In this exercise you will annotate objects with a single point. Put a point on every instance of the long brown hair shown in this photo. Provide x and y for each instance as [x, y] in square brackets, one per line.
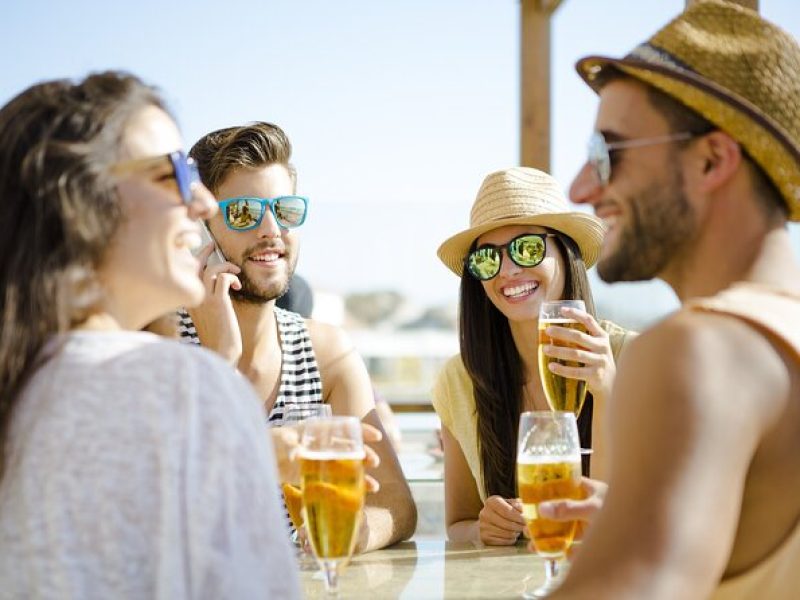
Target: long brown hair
[59, 210]
[495, 367]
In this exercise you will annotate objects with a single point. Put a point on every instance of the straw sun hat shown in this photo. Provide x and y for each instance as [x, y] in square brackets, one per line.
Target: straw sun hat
[522, 196]
[737, 70]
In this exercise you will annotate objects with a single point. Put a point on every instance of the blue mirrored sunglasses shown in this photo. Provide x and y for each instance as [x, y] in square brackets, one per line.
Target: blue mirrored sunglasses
[246, 212]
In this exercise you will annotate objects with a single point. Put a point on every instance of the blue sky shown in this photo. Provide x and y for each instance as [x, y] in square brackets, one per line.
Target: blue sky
[396, 109]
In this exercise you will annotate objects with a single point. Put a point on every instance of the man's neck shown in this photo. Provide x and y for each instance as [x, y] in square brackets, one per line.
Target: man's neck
[259, 331]
[748, 254]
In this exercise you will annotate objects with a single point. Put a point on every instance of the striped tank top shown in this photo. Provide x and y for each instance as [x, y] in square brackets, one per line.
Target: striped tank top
[300, 381]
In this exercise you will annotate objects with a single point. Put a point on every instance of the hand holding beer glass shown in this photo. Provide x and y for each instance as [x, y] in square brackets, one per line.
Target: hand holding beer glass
[548, 468]
[332, 475]
[562, 393]
[292, 495]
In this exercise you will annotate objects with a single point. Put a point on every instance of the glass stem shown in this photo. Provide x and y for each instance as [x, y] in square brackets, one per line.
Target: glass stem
[330, 569]
[552, 568]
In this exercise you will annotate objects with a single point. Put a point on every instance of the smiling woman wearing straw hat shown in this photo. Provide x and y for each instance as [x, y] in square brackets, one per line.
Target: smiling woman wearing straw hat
[480, 393]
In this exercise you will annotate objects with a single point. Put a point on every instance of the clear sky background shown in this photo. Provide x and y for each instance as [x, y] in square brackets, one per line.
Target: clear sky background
[396, 109]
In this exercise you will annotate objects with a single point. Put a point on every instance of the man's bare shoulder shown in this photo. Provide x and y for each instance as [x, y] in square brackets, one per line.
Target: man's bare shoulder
[329, 341]
[709, 360]
[335, 351]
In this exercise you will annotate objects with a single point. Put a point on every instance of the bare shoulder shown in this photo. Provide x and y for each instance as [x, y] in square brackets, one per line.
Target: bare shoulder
[709, 363]
[330, 342]
[345, 381]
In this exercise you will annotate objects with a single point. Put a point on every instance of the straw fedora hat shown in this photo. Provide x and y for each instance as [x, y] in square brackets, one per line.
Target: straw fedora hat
[737, 70]
[522, 196]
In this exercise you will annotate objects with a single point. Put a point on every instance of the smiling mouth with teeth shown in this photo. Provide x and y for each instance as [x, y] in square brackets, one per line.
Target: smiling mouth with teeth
[520, 290]
[266, 257]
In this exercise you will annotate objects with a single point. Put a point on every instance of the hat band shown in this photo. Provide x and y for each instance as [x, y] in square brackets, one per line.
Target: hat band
[699, 81]
[653, 54]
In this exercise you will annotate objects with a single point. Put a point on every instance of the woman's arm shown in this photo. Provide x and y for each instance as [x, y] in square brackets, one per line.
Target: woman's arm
[498, 522]
[462, 504]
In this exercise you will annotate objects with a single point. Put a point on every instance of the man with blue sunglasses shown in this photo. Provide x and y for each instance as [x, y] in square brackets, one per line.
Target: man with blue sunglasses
[291, 361]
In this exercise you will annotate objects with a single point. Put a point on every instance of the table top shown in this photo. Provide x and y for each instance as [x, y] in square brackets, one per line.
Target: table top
[435, 569]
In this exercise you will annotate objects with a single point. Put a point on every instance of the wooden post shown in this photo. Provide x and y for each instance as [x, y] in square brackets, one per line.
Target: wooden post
[535, 83]
[746, 3]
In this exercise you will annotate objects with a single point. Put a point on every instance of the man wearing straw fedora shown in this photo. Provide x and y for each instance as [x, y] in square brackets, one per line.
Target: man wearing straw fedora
[695, 169]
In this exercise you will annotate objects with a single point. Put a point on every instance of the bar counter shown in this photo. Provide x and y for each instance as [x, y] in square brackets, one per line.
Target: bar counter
[435, 570]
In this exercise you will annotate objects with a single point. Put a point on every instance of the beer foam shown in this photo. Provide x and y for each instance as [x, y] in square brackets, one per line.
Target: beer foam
[332, 455]
[535, 459]
[559, 321]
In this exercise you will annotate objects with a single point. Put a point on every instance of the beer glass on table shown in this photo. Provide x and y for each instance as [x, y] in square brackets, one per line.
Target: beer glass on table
[332, 482]
[562, 393]
[292, 495]
[548, 468]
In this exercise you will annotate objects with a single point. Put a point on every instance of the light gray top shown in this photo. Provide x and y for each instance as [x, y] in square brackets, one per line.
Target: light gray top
[140, 468]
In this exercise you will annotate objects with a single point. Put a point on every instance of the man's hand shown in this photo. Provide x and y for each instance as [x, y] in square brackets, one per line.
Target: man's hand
[215, 319]
[583, 511]
[286, 441]
[500, 521]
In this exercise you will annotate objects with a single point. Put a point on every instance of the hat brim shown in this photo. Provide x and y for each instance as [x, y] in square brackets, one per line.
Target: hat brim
[586, 230]
[764, 140]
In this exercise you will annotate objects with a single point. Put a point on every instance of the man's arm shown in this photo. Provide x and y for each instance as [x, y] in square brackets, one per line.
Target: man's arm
[691, 401]
[391, 515]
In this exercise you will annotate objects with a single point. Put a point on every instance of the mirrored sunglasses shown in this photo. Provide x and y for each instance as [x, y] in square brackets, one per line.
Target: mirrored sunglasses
[246, 212]
[526, 250]
[600, 150]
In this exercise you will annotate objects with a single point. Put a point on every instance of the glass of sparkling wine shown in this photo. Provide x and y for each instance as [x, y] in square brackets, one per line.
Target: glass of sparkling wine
[332, 475]
[562, 393]
[292, 495]
[548, 468]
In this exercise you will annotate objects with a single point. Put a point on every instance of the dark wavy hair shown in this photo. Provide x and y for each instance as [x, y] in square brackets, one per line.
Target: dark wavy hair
[496, 370]
[59, 209]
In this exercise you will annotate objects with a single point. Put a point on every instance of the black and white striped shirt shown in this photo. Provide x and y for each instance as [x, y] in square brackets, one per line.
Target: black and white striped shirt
[300, 381]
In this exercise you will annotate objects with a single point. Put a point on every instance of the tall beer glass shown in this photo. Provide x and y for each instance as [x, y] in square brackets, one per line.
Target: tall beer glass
[562, 393]
[292, 495]
[548, 468]
[332, 475]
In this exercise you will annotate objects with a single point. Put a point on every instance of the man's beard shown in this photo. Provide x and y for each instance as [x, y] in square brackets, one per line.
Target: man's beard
[661, 224]
[254, 293]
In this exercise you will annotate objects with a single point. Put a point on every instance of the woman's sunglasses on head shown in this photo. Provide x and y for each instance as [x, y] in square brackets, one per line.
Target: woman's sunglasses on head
[526, 250]
[184, 170]
[246, 212]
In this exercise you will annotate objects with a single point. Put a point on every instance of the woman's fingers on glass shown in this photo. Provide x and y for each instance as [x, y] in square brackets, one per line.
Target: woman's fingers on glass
[371, 458]
[592, 326]
[372, 484]
[370, 433]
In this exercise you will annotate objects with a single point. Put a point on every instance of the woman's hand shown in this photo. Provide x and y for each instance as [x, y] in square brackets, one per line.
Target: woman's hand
[593, 352]
[500, 521]
[215, 319]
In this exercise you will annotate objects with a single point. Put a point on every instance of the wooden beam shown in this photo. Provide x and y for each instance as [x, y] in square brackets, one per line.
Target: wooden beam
[753, 4]
[535, 86]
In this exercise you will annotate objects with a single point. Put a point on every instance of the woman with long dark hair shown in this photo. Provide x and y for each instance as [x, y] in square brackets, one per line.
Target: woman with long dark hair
[480, 394]
[131, 466]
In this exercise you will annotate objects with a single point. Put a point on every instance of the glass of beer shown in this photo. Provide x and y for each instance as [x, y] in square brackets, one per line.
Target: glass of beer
[292, 495]
[548, 468]
[332, 482]
[562, 393]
